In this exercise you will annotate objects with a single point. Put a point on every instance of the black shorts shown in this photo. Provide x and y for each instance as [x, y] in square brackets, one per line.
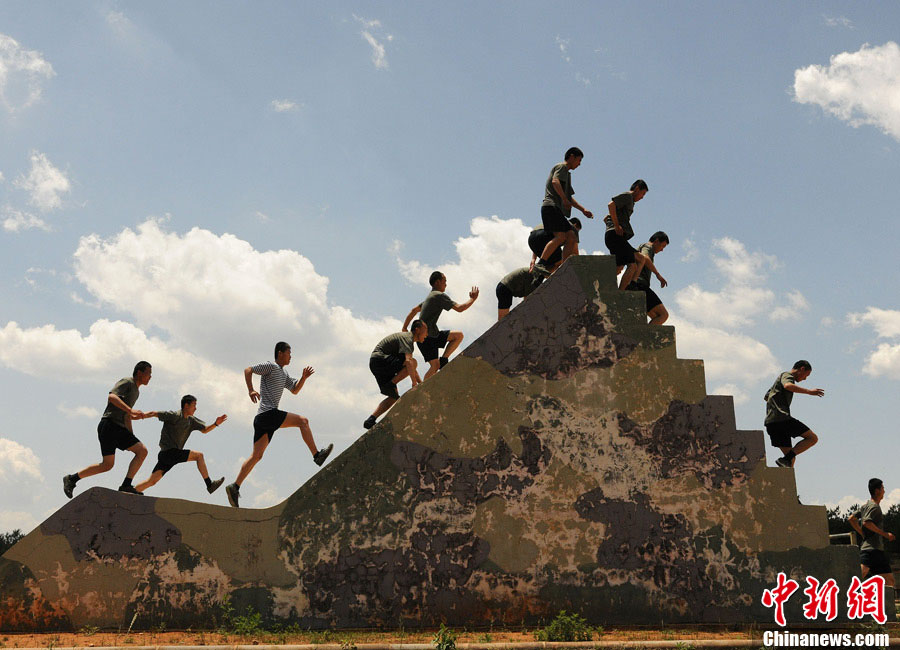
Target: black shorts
[538, 240]
[876, 560]
[430, 346]
[385, 370]
[780, 433]
[114, 436]
[652, 299]
[267, 423]
[554, 220]
[619, 247]
[504, 296]
[169, 458]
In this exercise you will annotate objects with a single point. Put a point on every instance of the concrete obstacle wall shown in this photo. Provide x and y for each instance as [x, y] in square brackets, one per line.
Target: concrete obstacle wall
[567, 459]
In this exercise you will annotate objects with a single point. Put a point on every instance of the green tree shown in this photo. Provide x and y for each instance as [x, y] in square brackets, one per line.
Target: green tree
[8, 539]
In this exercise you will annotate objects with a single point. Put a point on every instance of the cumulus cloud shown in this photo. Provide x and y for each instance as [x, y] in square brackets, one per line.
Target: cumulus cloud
[796, 305]
[691, 251]
[44, 182]
[22, 74]
[17, 221]
[110, 350]
[225, 301]
[493, 248]
[861, 87]
[285, 106]
[11, 520]
[884, 360]
[730, 359]
[374, 35]
[18, 462]
[743, 296]
[885, 322]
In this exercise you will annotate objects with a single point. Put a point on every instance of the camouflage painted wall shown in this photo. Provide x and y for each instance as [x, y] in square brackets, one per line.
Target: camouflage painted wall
[566, 460]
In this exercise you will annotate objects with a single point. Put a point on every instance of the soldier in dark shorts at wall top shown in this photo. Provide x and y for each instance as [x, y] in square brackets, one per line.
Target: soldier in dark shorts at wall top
[557, 207]
[515, 284]
[538, 239]
[619, 231]
[868, 522]
[436, 302]
[274, 380]
[391, 362]
[655, 309]
[177, 428]
[115, 432]
[780, 425]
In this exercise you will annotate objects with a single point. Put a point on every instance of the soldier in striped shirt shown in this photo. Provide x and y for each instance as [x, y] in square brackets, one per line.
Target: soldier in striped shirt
[269, 418]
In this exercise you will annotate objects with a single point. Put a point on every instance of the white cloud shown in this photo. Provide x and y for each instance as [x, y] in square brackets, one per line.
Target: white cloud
[285, 106]
[266, 498]
[885, 322]
[109, 351]
[73, 412]
[827, 321]
[691, 252]
[222, 300]
[740, 396]
[884, 360]
[17, 221]
[18, 462]
[725, 308]
[743, 297]
[797, 303]
[11, 520]
[494, 248]
[890, 499]
[45, 182]
[372, 32]
[838, 21]
[729, 358]
[861, 87]
[22, 73]
[262, 217]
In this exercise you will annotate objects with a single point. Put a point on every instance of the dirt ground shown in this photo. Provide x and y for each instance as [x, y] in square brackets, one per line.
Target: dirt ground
[88, 638]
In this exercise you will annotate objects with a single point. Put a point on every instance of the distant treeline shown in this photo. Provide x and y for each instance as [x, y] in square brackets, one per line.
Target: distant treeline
[8, 539]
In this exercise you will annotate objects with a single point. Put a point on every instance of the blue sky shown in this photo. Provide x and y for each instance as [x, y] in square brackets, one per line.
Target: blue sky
[190, 182]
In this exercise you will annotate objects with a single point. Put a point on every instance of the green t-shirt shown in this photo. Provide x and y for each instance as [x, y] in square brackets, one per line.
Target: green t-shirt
[177, 428]
[624, 209]
[520, 282]
[778, 399]
[643, 280]
[127, 389]
[393, 344]
[551, 196]
[434, 303]
[872, 541]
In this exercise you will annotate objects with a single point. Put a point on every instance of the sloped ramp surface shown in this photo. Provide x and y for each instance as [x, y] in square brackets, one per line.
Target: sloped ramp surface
[567, 459]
